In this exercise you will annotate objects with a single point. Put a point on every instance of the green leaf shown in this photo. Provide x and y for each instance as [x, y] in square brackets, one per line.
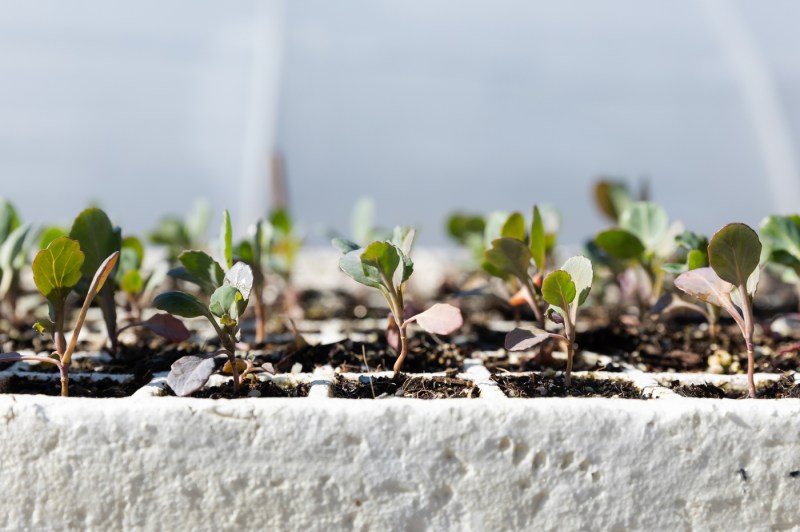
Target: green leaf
[612, 198]
[203, 270]
[57, 269]
[223, 302]
[559, 290]
[620, 244]
[226, 239]
[135, 247]
[514, 227]
[12, 247]
[132, 282]
[244, 252]
[380, 261]
[781, 233]
[647, 221]
[696, 259]
[97, 237]
[281, 220]
[352, 266]
[170, 231]
[182, 304]
[734, 253]
[463, 227]
[509, 256]
[403, 239]
[580, 270]
[48, 234]
[538, 240]
[343, 245]
[9, 220]
[674, 267]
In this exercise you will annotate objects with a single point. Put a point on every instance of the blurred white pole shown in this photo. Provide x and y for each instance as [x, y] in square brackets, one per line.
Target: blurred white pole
[762, 101]
[262, 111]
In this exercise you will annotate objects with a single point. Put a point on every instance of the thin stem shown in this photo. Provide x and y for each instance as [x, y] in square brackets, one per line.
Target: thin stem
[230, 349]
[403, 348]
[747, 332]
[64, 370]
[569, 332]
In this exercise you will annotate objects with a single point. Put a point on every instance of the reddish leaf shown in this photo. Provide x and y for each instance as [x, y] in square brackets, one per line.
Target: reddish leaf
[521, 339]
[441, 318]
[167, 326]
[705, 285]
[189, 374]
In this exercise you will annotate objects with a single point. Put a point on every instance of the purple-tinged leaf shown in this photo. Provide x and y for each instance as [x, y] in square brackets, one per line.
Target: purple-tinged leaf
[167, 326]
[441, 318]
[705, 285]
[521, 339]
[10, 357]
[189, 374]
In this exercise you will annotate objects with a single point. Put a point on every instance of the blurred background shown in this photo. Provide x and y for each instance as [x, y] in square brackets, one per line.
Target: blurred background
[143, 107]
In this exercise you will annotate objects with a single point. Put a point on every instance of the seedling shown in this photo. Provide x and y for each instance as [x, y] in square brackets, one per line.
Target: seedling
[695, 247]
[386, 266]
[56, 271]
[13, 257]
[565, 290]
[468, 231]
[138, 287]
[730, 282]
[644, 239]
[781, 238]
[510, 257]
[229, 290]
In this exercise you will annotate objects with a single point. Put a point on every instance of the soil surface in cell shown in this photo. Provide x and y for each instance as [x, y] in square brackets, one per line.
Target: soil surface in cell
[103, 388]
[784, 388]
[536, 386]
[682, 345]
[251, 388]
[424, 356]
[401, 385]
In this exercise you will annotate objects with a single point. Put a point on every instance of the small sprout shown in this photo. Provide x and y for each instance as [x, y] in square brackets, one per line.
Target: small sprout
[644, 238]
[56, 271]
[510, 257]
[386, 266]
[565, 290]
[695, 247]
[468, 231]
[228, 291]
[730, 282]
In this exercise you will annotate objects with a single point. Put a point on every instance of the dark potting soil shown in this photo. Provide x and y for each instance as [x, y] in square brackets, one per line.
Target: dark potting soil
[680, 345]
[401, 385]
[537, 385]
[424, 355]
[103, 388]
[783, 388]
[251, 388]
